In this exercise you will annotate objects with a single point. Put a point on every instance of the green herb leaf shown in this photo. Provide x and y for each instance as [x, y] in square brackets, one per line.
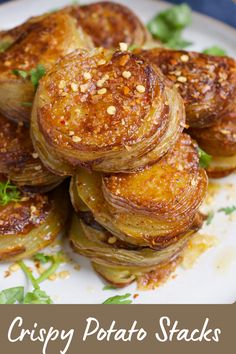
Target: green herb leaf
[209, 217]
[4, 46]
[214, 50]
[8, 193]
[37, 296]
[228, 210]
[23, 74]
[109, 287]
[36, 74]
[118, 300]
[12, 295]
[27, 104]
[204, 158]
[132, 47]
[42, 258]
[168, 25]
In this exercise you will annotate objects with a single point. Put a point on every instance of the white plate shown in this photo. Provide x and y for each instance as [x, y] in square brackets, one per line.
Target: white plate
[212, 278]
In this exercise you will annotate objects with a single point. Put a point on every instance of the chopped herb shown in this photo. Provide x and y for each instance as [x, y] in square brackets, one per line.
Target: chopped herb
[4, 46]
[36, 74]
[27, 104]
[42, 258]
[109, 287]
[214, 50]
[228, 210]
[12, 295]
[118, 300]
[204, 158]
[133, 47]
[210, 216]
[23, 74]
[8, 193]
[37, 296]
[169, 25]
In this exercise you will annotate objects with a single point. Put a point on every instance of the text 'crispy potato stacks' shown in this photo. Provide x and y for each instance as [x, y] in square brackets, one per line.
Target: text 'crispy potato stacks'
[19, 161]
[109, 253]
[30, 223]
[109, 24]
[109, 111]
[206, 83]
[153, 207]
[41, 40]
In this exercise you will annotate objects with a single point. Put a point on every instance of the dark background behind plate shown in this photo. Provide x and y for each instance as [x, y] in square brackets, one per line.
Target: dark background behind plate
[224, 10]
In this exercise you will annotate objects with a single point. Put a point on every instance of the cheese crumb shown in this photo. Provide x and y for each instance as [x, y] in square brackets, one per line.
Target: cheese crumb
[126, 74]
[111, 110]
[123, 46]
[140, 88]
[76, 139]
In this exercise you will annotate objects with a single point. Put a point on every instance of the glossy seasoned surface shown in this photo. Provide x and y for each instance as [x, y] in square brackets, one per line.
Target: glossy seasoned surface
[220, 139]
[153, 207]
[206, 83]
[105, 110]
[157, 188]
[41, 40]
[109, 24]
[22, 216]
[18, 159]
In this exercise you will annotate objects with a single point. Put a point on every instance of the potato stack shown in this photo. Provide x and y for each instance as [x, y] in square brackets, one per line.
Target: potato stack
[112, 120]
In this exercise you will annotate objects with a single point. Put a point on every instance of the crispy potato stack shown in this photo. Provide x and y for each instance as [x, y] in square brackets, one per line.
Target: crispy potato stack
[30, 223]
[18, 160]
[220, 142]
[206, 83]
[109, 111]
[150, 214]
[109, 24]
[41, 40]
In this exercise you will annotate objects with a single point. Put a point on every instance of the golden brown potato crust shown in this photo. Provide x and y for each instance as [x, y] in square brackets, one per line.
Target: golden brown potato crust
[18, 159]
[41, 40]
[105, 110]
[220, 139]
[206, 83]
[109, 24]
[21, 217]
[155, 206]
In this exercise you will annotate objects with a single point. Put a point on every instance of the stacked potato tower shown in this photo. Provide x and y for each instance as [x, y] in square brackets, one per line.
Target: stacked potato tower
[111, 120]
[79, 102]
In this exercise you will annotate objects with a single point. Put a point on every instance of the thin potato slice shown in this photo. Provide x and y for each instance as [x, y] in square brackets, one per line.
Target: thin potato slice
[109, 24]
[96, 244]
[104, 110]
[221, 166]
[206, 83]
[41, 40]
[220, 139]
[19, 161]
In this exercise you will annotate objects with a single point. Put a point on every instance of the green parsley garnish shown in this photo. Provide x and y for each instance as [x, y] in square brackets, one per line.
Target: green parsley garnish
[23, 74]
[34, 74]
[118, 300]
[132, 47]
[210, 216]
[214, 50]
[4, 46]
[169, 25]
[8, 193]
[12, 295]
[37, 295]
[204, 158]
[228, 210]
[109, 287]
